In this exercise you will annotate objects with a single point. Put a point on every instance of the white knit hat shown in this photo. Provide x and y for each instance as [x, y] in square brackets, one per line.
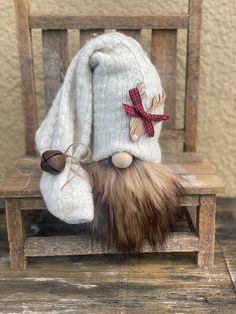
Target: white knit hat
[89, 109]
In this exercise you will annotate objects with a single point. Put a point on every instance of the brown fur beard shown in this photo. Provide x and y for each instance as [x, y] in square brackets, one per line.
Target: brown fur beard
[133, 206]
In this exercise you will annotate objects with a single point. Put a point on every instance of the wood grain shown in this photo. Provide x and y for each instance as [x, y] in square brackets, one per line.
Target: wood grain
[15, 230]
[55, 57]
[191, 216]
[198, 177]
[80, 245]
[39, 204]
[134, 33]
[172, 135]
[206, 230]
[225, 233]
[27, 74]
[109, 22]
[117, 283]
[86, 35]
[192, 74]
[164, 53]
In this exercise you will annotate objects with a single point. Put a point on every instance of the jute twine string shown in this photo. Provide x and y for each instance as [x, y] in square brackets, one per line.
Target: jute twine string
[26, 173]
[36, 170]
[77, 159]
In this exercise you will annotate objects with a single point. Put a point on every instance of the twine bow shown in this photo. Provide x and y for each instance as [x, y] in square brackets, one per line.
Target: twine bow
[138, 111]
[28, 167]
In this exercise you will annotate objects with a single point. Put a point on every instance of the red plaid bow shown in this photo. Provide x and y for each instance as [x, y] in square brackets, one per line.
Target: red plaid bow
[138, 111]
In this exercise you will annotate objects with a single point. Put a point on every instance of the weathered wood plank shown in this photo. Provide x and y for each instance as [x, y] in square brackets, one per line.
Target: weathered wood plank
[38, 203]
[86, 35]
[192, 74]
[206, 230]
[55, 57]
[191, 168]
[172, 135]
[117, 283]
[192, 183]
[230, 259]
[135, 34]
[32, 203]
[27, 74]
[198, 176]
[164, 54]
[182, 157]
[191, 215]
[15, 230]
[226, 235]
[202, 184]
[188, 200]
[110, 22]
[81, 245]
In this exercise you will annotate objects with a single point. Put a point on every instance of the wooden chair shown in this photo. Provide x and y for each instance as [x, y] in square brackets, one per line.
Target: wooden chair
[200, 182]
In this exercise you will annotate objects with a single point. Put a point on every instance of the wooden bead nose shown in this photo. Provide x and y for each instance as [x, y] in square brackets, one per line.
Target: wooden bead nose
[122, 160]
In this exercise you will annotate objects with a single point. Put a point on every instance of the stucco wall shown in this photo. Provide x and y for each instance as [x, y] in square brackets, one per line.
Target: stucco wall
[217, 107]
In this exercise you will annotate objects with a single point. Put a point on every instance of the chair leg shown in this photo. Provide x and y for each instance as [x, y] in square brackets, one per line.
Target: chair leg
[206, 230]
[16, 234]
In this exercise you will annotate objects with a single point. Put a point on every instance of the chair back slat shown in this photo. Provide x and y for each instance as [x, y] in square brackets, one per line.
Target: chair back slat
[55, 57]
[86, 35]
[164, 32]
[27, 74]
[134, 33]
[164, 49]
[192, 75]
[108, 22]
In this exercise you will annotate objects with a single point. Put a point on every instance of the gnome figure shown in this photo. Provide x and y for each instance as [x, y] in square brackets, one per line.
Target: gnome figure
[100, 150]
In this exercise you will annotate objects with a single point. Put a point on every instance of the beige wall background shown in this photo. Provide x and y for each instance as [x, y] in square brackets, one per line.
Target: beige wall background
[217, 93]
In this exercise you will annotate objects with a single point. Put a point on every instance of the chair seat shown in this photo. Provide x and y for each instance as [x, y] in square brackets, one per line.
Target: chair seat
[20, 188]
[198, 176]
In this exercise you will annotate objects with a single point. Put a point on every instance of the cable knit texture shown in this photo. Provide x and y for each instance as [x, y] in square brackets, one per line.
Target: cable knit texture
[89, 109]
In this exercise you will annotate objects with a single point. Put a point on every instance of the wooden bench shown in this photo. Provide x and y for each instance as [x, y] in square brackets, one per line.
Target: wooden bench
[21, 192]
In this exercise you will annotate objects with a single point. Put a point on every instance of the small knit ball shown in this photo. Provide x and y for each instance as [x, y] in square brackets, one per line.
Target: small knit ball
[134, 138]
[122, 160]
[53, 161]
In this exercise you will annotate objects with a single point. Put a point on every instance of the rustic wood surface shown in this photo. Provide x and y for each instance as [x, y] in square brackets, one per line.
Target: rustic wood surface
[191, 216]
[164, 53]
[226, 235]
[74, 245]
[27, 74]
[198, 176]
[38, 203]
[55, 61]
[192, 74]
[206, 230]
[111, 22]
[86, 35]
[172, 135]
[146, 283]
[15, 227]
[135, 33]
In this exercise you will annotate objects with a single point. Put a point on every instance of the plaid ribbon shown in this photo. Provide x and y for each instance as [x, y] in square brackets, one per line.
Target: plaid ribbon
[138, 111]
